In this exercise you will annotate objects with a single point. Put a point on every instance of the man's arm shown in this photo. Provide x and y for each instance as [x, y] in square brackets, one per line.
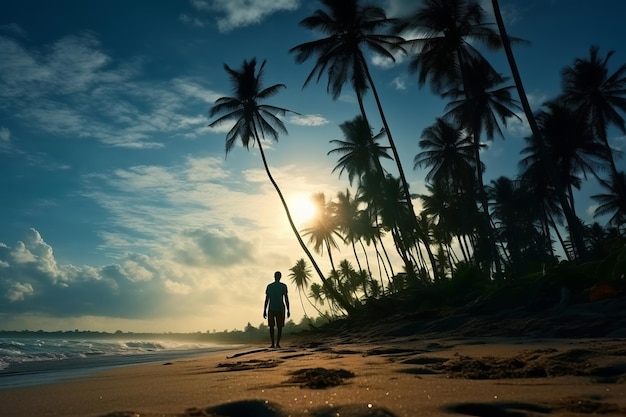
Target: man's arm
[267, 301]
[287, 302]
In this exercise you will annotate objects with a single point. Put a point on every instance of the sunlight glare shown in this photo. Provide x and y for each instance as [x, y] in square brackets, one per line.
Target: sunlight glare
[302, 209]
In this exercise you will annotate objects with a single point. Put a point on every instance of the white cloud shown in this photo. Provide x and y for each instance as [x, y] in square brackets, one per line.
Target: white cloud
[240, 13]
[201, 5]
[19, 291]
[72, 89]
[399, 83]
[193, 21]
[308, 120]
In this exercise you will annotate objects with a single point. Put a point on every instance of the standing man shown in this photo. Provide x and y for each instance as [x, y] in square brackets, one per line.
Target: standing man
[274, 294]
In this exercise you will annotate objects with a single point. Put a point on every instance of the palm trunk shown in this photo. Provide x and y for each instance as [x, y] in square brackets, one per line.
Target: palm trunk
[344, 304]
[396, 156]
[573, 222]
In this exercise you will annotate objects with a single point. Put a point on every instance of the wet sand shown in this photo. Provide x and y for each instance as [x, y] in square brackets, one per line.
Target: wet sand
[346, 376]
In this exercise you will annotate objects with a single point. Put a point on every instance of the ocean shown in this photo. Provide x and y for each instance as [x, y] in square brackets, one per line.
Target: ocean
[29, 361]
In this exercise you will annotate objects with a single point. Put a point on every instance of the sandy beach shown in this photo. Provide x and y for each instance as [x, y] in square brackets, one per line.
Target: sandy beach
[379, 370]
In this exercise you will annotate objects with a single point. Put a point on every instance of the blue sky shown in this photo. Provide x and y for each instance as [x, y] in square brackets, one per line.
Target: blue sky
[119, 208]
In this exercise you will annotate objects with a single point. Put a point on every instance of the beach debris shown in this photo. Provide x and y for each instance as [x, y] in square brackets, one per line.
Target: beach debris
[504, 409]
[352, 410]
[319, 378]
[246, 408]
[250, 364]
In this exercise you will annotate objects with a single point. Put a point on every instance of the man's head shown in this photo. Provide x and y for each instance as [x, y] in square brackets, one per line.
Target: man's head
[277, 276]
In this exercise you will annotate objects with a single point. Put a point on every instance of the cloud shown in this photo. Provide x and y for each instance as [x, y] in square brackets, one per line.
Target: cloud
[72, 89]
[13, 29]
[5, 139]
[139, 287]
[234, 14]
[308, 120]
[399, 83]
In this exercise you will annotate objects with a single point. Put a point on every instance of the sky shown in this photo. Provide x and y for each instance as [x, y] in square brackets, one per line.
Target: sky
[120, 209]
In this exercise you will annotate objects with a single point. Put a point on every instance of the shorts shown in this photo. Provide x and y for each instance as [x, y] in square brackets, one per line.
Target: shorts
[276, 318]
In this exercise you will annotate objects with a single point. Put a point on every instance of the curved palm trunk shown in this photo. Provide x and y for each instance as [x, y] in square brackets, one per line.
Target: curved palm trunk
[575, 227]
[396, 156]
[367, 260]
[356, 257]
[302, 303]
[339, 298]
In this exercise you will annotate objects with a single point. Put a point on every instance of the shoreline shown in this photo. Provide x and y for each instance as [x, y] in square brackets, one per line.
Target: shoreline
[324, 376]
[32, 374]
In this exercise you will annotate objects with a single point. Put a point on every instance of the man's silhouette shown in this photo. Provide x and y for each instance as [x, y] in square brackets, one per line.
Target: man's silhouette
[274, 295]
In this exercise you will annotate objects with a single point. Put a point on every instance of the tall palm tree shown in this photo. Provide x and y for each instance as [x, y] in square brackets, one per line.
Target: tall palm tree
[447, 57]
[350, 27]
[478, 106]
[254, 121]
[597, 95]
[573, 149]
[575, 227]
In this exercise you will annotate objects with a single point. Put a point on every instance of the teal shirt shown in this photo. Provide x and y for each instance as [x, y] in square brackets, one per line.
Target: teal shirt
[276, 291]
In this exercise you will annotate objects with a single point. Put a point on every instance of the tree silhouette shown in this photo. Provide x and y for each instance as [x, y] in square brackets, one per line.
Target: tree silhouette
[597, 96]
[350, 27]
[254, 121]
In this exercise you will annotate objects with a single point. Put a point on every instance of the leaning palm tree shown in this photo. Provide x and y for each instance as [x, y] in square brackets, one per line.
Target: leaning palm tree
[575, 227]
[597, 95]
[350, 27]
[253, 122]
[480, 105]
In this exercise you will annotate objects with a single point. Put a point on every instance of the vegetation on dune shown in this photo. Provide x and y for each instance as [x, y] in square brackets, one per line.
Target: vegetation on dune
[505, 243]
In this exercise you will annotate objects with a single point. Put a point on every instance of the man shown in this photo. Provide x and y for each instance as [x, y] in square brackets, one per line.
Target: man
[274, 295]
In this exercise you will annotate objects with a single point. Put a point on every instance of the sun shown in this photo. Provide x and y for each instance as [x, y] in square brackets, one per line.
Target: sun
[302, 209]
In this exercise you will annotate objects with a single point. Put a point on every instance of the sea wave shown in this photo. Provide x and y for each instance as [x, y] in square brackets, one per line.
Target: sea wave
[33, 350]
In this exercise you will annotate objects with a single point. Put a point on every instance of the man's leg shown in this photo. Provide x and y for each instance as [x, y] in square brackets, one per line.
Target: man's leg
[280, 332]
[272, 334]
[271, 322]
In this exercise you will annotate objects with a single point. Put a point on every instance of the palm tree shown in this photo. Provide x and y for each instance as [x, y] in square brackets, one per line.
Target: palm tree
[613, 202]
[300, 275]
[533, 176]
[572, 147]
[571, 151]
[346, 210]
[350, 27]
[254, 121]
[478, 106]
[361, 154]
[575, 227]
[517, 215]
[597, 96]
[324, 228]
[447, 151]
[450, 29]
